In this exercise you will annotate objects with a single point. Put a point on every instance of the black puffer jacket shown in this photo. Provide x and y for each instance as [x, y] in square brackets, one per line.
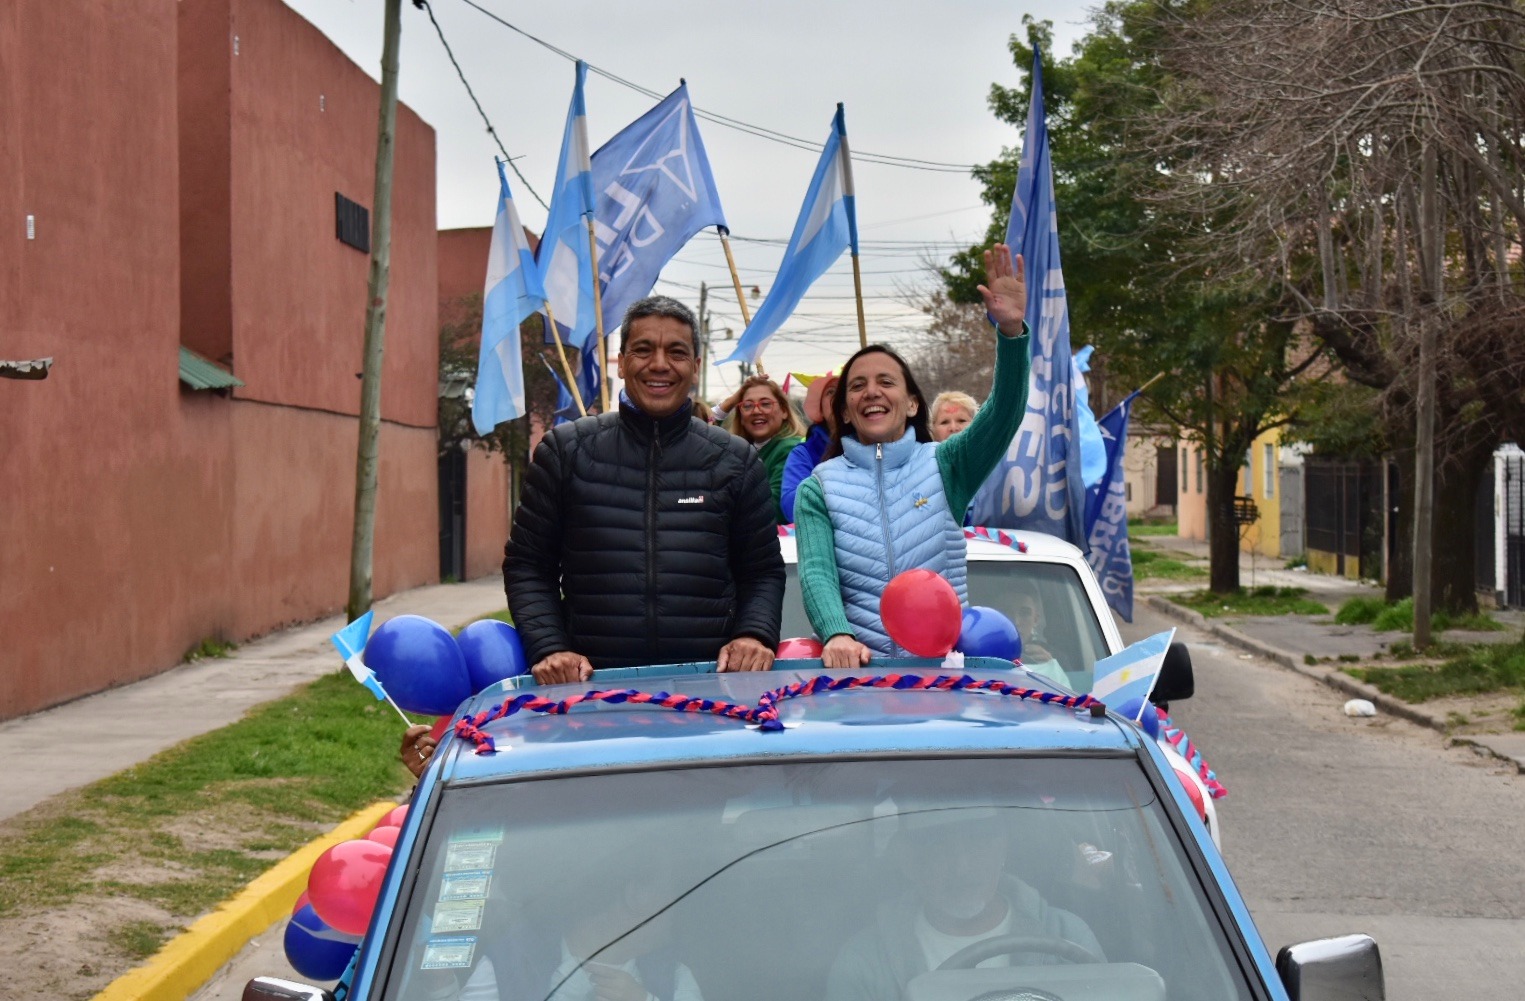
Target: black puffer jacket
[642, 541]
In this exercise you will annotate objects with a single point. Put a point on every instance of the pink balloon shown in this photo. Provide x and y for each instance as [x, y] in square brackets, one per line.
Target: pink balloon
[394, 817]
[921, 612]
[385, 834]
[345, 882]
[440, 726]
[302, 902]
[799, 648]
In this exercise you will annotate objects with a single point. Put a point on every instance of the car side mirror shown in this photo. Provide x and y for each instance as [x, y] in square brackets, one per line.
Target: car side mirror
[273, 989]
[1176, 681]
[1348, 968]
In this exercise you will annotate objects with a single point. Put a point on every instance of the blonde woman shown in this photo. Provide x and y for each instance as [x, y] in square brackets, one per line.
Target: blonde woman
[951, 413]
[760, 413]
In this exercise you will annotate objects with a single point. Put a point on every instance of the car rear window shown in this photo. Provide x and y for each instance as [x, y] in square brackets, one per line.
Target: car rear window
[1068, 630]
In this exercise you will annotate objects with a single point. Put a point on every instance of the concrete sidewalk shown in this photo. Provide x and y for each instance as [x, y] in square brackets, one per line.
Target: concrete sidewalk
[1289, 640]
[127, 725]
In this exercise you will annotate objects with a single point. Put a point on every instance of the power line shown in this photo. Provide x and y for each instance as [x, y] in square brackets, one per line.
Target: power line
[761, 131]
[471, 94]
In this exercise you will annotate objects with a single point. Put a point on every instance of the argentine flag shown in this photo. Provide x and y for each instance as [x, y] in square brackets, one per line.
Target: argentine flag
[513, 292]
[1131, 672]
[564, 257]
[828, 225]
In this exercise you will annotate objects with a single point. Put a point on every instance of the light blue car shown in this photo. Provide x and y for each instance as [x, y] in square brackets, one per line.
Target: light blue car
[895, 834]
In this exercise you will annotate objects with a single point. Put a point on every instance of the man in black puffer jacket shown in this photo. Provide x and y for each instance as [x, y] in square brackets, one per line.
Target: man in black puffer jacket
[645, 536]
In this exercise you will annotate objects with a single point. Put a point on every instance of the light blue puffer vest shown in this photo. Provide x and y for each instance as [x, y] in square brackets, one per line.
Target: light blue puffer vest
[888, 515]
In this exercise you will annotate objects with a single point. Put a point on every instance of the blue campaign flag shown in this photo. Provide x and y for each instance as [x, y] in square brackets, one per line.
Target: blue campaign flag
[652, 192]
[565, 257]
[1131, 672]
[1107, 515]
[828, 225]
[513, 292]
[566, 405]
[1037, 485]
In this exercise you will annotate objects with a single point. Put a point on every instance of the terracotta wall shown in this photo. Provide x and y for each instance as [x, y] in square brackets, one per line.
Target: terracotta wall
[138, 517]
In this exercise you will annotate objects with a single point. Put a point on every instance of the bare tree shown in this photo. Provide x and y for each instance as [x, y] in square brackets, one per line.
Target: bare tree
[1368, 155]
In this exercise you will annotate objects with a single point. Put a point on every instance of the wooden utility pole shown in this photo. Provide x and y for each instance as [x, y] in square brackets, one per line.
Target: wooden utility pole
[368, 451]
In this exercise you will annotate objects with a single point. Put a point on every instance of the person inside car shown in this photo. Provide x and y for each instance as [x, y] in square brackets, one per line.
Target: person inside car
[957, 894]
[889, 499]
[951, 413]
[1027, 613]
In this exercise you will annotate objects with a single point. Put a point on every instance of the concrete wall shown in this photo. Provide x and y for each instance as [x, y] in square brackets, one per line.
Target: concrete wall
[1191, 498]
[140, 517]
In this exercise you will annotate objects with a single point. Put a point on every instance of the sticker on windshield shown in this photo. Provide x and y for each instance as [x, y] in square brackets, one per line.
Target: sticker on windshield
[494, 834]
[461, 856]
[465, 886]
[457, 916]
[450, 953]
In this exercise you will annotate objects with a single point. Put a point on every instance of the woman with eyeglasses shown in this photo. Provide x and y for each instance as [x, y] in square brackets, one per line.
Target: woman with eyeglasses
[760, 412]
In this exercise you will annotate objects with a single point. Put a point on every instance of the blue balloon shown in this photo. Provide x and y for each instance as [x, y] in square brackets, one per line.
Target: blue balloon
[492, 651]
[420, 665]
[1149, 720]
[988, 633]
[315, 950]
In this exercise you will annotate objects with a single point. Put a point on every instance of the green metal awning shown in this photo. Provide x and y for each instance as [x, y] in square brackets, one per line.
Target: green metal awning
[199, 373]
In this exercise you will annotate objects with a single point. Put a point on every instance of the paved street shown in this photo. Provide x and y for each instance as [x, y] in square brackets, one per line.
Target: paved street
[1338, 825]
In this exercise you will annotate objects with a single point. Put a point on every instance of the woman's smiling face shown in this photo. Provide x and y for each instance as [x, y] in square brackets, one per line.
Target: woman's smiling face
[879, 403]
[761, 416]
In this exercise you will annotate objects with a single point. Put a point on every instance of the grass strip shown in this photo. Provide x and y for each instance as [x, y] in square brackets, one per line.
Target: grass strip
[1399, 617]
[1151, 564]
[1480, 669]
[1143, 528]
[189, 827]
[1263, 600]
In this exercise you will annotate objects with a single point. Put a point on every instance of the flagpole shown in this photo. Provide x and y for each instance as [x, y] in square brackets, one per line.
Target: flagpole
[598, 314]
[741, 297]
[1151, 382]
[549, 319]
[849, 196]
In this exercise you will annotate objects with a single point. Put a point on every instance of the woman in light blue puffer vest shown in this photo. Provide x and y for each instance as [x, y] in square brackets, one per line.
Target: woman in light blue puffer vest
[883, 501]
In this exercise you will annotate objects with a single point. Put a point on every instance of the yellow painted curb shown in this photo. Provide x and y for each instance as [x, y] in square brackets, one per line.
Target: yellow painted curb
[190, 959]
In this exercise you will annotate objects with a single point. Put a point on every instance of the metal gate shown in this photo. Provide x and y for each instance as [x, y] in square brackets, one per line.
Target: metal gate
[452, 515]
[1510, 468]
[1342, 511]
[1290, 483]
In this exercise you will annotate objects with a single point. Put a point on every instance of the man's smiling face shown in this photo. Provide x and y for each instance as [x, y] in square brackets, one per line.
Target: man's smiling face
[658, 364]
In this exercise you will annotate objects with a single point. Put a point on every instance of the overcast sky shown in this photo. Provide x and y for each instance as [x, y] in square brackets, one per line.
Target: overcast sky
[914, 76]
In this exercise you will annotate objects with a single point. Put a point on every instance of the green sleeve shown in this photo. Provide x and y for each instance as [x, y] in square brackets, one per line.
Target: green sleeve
[819, 585]
[966, 459]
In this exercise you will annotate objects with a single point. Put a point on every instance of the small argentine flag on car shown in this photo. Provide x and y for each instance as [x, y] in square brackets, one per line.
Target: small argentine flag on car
[1131, 672]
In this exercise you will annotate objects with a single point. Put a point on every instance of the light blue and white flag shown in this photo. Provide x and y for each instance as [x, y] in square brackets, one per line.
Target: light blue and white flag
[513, 293]
[1037, 485]
[1107, 515]
[565, 257]
[1093, 450]
[350, 642]
[566, 405]
[1131, 672]
[828, 225]
[652, 192]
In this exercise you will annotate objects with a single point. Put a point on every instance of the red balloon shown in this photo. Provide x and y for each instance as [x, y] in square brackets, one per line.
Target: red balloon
[345, 882]
[921, 612]
[394, 817]
[440, 726]
[799, 648]
[301, 902]
[1193, 793]
[384, 834]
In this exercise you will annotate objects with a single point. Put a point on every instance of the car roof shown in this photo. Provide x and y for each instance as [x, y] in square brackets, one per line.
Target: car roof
[859, 721]
[1024, 545]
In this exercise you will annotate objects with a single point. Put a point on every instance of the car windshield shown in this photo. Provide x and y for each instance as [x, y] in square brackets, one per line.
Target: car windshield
[860, 880]
[1047, 601]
